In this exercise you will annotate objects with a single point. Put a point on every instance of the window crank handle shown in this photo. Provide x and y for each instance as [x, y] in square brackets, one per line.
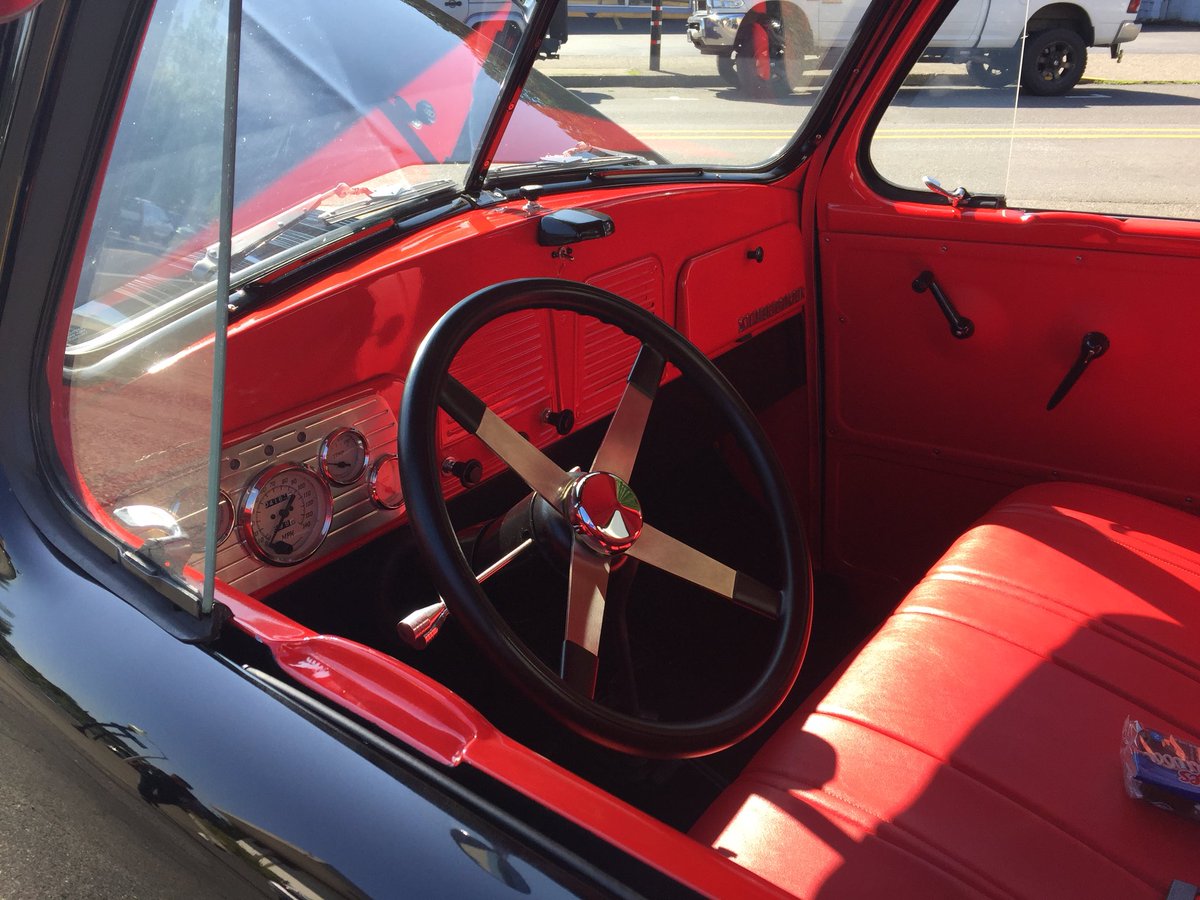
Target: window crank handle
[960, 326]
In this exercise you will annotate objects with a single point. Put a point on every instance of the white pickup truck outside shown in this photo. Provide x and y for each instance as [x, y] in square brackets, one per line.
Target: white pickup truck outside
[762, 47]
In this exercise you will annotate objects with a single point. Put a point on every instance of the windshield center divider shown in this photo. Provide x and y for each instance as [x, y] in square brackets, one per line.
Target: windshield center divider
[524, 57]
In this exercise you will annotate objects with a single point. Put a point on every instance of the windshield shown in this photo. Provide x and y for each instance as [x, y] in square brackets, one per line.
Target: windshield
[353, 113]
[345, 112]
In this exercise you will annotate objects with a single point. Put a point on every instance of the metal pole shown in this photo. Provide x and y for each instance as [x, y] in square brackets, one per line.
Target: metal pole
[656, 36]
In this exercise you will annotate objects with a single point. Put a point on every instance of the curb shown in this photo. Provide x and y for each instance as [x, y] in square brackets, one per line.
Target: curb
[1086, 80]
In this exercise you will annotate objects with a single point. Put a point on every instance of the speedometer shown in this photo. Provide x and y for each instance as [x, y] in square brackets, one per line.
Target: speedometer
[285, 514]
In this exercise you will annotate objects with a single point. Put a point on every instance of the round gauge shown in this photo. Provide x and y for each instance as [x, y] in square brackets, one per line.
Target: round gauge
[343, 456]
[224, 517]
[190, 507]
[384, 483]
[285, 514]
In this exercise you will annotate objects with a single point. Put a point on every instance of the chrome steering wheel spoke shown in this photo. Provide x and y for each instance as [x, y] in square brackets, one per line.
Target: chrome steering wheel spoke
[618, 451]
[536, 469]
[585, 619]
[664, 552]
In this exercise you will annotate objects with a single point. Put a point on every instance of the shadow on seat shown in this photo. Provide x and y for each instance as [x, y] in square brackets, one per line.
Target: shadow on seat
[972, 747]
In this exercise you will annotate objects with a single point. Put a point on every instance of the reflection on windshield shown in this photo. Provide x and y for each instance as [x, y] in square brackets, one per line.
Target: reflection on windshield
[330, 118]
[347, 111]
[731, 85]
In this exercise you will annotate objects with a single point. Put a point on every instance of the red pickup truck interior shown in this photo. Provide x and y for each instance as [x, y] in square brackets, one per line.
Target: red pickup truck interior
[903, 364]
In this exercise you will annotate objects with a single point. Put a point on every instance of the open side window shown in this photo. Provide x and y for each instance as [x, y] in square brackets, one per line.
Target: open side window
[330, 146]
[1048, 112]
[132, 363]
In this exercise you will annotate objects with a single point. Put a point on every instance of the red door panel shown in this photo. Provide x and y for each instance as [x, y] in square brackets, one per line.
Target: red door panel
[924, 431]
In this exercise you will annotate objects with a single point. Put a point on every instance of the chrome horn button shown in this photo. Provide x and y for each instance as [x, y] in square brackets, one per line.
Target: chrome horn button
[605, 512]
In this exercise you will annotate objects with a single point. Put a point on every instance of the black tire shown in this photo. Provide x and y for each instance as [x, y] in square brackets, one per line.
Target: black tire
[785, 42]
[1054, 62]
[727, 70]
[993, 70]
[509, 36]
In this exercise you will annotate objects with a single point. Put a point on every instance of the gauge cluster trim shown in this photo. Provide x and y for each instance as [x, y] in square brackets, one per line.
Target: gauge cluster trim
[299, 441]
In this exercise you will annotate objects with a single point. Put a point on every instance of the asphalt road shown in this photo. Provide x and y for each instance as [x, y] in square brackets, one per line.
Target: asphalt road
[1129, 148]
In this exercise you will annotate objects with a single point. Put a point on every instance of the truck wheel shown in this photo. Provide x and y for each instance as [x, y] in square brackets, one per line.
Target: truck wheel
[993, 70]
[727, 70]
[1054, 62]
[770, 56]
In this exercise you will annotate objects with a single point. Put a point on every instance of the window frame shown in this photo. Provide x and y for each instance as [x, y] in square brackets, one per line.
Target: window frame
[1167, 226]
[65, 101]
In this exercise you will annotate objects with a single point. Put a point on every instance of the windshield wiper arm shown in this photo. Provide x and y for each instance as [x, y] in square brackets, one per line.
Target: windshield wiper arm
[384, 200]
[351, 217]
[570, 163]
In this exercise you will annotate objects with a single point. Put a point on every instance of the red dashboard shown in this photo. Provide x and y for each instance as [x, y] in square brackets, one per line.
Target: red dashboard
[370, 315]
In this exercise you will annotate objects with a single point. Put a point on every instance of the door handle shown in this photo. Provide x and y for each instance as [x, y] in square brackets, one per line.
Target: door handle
[1095, 345]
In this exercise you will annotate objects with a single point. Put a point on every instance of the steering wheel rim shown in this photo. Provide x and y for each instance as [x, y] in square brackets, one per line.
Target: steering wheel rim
[429, 387]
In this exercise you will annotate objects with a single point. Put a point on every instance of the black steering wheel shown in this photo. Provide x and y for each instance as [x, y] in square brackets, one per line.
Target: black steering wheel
[604, 517]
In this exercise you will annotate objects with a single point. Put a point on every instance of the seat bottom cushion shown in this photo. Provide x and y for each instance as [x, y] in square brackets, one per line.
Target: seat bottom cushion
[972, 747]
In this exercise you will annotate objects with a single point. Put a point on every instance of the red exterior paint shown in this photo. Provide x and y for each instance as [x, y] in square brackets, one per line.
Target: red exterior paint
[437, 722]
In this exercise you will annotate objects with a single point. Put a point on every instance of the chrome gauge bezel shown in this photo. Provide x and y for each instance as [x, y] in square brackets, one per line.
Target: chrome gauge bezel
[373, 479]
[364, 457]
[225, 528]
[250, 501]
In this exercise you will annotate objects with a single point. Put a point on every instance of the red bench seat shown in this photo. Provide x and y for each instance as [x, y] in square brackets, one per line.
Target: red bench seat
[972, 747]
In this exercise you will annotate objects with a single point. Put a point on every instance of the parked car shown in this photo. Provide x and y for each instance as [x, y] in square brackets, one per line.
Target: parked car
[765, 47]
[487, 490]
[141, 220]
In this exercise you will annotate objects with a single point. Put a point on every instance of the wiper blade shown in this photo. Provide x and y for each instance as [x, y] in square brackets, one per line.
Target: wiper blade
[344, 219]
[345, 226]
[385, 199]
[590, 161]
[246, 241]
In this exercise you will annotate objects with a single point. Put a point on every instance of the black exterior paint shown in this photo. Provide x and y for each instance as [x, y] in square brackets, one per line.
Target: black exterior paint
[123, 744]
[139, 760]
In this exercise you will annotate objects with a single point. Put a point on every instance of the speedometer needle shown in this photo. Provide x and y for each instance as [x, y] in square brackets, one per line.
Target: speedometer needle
[283, 514]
